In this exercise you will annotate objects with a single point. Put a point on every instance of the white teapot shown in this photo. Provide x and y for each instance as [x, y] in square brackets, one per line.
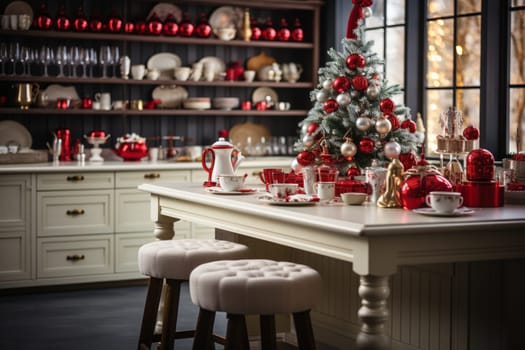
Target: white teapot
[222, 162]
[292, 71]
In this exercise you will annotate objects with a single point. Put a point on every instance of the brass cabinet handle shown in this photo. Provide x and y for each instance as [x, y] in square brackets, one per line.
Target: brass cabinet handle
[75, 212]
[75, 178]
[75, 257]
[152, 176]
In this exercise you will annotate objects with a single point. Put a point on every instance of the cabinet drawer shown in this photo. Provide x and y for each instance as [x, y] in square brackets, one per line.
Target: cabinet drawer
[74, 212]
[132, 213]
[75, 256]
[127, 248]
[131, 179]
[75, 181]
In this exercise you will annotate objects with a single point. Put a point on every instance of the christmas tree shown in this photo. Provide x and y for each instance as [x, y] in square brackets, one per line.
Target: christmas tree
[354, 119]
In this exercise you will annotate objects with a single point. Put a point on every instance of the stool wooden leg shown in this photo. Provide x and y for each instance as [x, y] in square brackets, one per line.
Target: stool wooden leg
[203, 334]
[236, 333]
[169, 317]
[268, 336]
[304, 330]
[149, 317]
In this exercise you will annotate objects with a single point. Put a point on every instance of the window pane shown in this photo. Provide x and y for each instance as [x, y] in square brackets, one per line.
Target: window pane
[437, 101]
[467, 101]
[377, 36]
[468, 50]
[517, 45]
[439, 8]
[518, 2]
[395, 11]
[395, 55]
[517, 119]
[440, 53]
[378, 15]
[469, 6]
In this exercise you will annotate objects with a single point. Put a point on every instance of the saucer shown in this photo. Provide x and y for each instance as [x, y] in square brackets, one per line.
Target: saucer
[218, 190]
[432, 212]
[293, 200]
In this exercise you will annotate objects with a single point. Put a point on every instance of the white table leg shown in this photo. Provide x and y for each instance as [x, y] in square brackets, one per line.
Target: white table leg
[373, 313]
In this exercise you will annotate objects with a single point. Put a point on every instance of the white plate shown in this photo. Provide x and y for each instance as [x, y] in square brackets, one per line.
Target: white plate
[260, 93]
[11, 130]
[19, 8]
[225, 17]
[163, 9]
[271, 201]
[170, 96]
[432, 212]
[214, 63]
[165, 62]
[55, 91]
[218, 190]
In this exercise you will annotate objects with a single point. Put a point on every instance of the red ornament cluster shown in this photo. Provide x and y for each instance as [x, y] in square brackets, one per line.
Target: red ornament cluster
[410, 125]
[355, 60]
[359, 83]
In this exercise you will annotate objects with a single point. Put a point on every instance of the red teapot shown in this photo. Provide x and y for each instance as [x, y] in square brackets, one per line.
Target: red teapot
[131, 147]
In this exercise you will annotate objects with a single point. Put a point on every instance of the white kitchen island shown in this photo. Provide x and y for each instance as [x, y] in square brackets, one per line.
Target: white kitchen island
[376, 241]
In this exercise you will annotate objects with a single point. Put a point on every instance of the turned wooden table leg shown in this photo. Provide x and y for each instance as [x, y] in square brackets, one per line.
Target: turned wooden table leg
[373, 313]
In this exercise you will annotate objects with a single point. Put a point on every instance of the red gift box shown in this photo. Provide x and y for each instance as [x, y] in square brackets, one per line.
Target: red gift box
[482, 193]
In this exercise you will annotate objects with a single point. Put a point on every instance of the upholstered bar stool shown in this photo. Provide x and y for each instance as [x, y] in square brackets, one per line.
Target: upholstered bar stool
[172, 261]
[257, 287]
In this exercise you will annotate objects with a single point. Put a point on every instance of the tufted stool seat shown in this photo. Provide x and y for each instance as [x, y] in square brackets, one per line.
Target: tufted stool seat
[260, 287]
[173, 261]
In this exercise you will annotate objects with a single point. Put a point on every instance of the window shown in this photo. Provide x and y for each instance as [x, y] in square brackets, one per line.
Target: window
[516, 140]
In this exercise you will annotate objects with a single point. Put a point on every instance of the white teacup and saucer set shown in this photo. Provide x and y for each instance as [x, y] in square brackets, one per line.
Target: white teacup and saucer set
[444, 204]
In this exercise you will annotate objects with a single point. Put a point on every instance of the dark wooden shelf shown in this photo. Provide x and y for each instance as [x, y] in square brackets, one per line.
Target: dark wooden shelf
[153, 39]
[269, 4]
[120, 81]
[153, 112]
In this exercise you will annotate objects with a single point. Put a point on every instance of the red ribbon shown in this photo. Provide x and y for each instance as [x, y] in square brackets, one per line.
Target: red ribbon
[355, 15]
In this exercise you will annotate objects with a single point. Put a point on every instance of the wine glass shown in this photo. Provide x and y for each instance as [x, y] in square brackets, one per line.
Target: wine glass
[3, 56]
[14, 55]
[61, 59]
[74, 60]
[93, 60]
[24, 58]
[105, 59]
[45, 58]
[83, 56]
[115, 53]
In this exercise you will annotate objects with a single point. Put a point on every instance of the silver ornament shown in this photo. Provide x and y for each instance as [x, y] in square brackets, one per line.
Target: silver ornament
[308, 140]
[383, 126]
[392, 149]
[367, 12]
[343, 99]
[372, 91]
[321, 96]
[363, 123]
[327, 84]
[348, 149]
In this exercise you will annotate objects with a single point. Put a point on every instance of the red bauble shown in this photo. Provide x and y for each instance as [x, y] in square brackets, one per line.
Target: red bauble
[115, 24]
[43, 21]
[170, 26]
[312, 128]
[341, 84]
[129, 27]
[353, 171]
[305, 158]
[355, 60]
[394, 121]
[366, 145]
[80, 23]
[269, 33]
[154, 25]
[95, 25]
[417, 186]
[330, 105]
[186, 27]
[140, 27]
[62, 22]
[518, 156]
[471, 133]
[409, 124]
[408, 160]
[480, 165]
[387, 106]
[203, 29]
[256, 31]
[360, 83]
[297, 32]
[284, 32]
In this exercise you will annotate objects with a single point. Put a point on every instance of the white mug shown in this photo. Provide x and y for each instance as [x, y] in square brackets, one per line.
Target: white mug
[13, 22]
[249, 75]
[282, 190]
[105, 100]
[153, 154]
[24, 22]
[444, 202]
[96, 105]
[182, 73]
[138, 71]
[326, 190]
[230, 183]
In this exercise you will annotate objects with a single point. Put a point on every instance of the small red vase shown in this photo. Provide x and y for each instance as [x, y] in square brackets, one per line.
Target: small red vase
[170, 27]
[140, 27]
[154, 25]
[129, 27]
[186, 27]
[256, 30]
[297, 32]
[114, 23]
[203, 29]
[269, 33]
[43, 21]
[80, 23]
[62, 22]
[284, 32]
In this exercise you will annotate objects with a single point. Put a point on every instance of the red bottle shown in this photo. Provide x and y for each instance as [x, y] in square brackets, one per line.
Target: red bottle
[80, 23]
[297, 32]
[269, 32]
[65, 136]
[44, 21]
[203, 29]
[170, 28]
[186, 27]
[284, 32]
[256, 30]
[154, 25]
[62, 22]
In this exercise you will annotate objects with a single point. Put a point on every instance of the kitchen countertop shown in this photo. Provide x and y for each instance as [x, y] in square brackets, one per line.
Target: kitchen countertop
[51, 167]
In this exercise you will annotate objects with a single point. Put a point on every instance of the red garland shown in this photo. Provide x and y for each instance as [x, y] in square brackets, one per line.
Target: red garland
[355, 15]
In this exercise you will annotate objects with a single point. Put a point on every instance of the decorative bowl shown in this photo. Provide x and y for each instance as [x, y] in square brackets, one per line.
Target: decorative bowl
[353, 198]
[225, 103]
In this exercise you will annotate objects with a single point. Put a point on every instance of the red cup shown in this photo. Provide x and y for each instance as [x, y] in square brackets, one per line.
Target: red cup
[246, 105]
[261, 106]
[87, 103]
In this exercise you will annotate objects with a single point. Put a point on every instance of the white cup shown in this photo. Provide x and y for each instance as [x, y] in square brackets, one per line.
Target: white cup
[153, 74]
[325, 190]
[12, 148]
[227, 33]
[3, 149]
[118, 105]
[138, 71]
[13, 22]
[249, 75]
[231, 183]
[182, 73]
[282, 190]
[153, 154]
[24, 22]
[105, 100]
[96, 105]
[444, 202]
